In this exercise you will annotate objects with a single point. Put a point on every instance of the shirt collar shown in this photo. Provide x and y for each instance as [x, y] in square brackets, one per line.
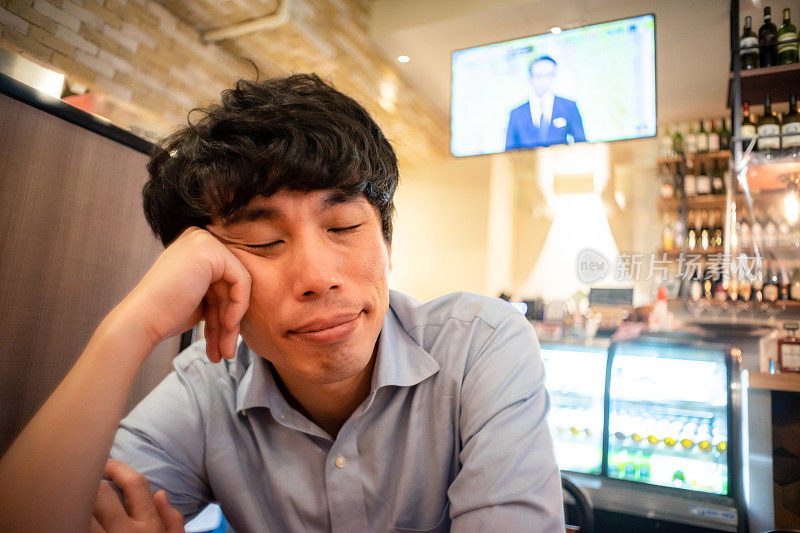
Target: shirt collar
[400, 362]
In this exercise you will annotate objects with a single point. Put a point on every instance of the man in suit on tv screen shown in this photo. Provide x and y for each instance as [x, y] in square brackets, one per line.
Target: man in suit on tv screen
[545, 119]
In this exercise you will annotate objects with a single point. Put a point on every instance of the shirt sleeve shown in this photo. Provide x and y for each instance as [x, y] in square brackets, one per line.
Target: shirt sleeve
[163, 438]
[509, 480]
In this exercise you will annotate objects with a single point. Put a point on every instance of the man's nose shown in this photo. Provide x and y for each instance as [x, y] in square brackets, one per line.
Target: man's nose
[315, 268]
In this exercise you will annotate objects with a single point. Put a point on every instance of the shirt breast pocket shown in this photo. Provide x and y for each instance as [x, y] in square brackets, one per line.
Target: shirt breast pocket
[442, 525]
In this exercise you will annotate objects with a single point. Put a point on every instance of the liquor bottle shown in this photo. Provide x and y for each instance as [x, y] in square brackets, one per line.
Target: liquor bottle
[790, 129]
[679, 231]
[770, 230]
[757, 284]
[689, 182]
[677, 182]
[713, 137]
[702, 139]
[745, 287]
[783, 283]
[691, 140]
[696, 285]
[677, 140]
[787, 53]
[745, 237]
[757, 228]
[691, 234]
[717, 180]
[768, 124]
[725, 136]
[705, 234]
[767, 35]
[733, 287]
[720, 284]
[794, 287]
[748, 46]
[703, 181]
[748, 125]
[716, 229]
[789, 349]
[770, 285]
[708, 282]
[667, 182]
[667, 235]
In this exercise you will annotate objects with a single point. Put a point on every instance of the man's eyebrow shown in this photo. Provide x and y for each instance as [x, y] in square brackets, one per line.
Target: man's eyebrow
[256, 213]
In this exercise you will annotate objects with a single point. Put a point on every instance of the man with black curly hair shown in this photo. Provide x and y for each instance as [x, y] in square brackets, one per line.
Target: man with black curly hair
[319, 400]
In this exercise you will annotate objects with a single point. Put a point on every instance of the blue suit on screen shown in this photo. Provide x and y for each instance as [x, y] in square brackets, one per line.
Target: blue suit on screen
[565, 120]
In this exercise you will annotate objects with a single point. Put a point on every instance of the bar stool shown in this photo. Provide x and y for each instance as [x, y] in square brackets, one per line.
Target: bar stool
[574, 498]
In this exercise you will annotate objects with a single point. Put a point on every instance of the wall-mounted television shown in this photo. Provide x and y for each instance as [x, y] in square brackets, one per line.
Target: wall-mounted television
[590, 84]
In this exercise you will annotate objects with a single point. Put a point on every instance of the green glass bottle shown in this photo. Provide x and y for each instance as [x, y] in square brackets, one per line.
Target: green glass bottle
[748, 46]
[787, 53]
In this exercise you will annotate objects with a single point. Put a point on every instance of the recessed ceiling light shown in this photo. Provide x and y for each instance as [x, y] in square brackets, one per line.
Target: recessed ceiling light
[555, 30]
[403, 59]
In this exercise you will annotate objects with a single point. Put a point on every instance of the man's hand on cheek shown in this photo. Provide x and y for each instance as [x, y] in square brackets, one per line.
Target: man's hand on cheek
[195, 278]
[142, 512]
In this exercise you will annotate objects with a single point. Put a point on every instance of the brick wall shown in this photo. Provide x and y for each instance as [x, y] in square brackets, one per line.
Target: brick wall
[147, 61]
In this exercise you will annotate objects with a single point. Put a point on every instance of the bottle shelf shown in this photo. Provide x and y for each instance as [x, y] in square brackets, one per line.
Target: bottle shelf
[718, 200]
[674, 254]
[699, 156]
[784, 381]
[778, 81]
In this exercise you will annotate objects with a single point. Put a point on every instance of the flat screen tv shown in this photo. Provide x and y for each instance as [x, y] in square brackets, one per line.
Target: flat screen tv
[590, 84]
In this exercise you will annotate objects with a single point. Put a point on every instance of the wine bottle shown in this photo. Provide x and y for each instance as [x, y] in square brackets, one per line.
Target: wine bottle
[677, 140]
[748, 46]
[713, 137]
[702, 139]
[794, 288]
[745, 238]
[703, 181]
[770, 285]
[689, 183]
[790, 129]
[768, 124]
[745, 287]
[691, 140]
[720, 284]
[716, 229]
[708, 283]
[767, 35]
[691, 234]
[696, 284]
[757, 228]
[725, 136]
[770, 230]
[757, 292]
[748, 125]
[783, 283]
[705, 233]
[667, 235]
[787, 52]
[677, 183]
[717, 180]
[667, 182]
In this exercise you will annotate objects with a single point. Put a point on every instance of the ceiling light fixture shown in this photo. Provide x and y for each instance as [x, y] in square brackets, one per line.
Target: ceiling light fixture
[555, 30]
[403, 59]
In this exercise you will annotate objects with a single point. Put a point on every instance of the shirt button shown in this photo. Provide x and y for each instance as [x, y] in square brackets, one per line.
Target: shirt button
[340, 462]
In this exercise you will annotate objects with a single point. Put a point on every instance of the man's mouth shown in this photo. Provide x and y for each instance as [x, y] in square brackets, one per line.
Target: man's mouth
[328, 329]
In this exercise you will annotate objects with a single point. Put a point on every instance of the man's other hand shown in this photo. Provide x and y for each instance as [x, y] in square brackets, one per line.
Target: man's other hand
[141, 513]
[195, 278]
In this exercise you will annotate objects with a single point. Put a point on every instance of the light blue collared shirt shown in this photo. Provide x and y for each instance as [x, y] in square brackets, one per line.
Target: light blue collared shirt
[452, 436]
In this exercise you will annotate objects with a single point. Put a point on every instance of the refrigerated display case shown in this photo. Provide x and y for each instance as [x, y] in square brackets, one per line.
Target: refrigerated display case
[670, 447]
[576, 404]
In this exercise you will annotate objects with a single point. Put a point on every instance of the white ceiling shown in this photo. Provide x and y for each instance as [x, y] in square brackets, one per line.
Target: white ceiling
[692, 40]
